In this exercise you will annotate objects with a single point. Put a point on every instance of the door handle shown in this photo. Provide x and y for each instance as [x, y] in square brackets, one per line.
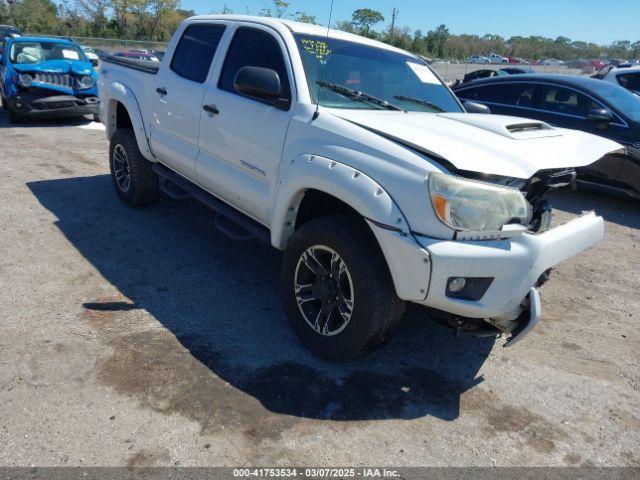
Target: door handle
[212, 109]
[161, 91]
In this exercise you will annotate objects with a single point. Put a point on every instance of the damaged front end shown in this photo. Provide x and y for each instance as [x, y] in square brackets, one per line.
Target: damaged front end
[540, 246]
[535, 189]
[43, 94]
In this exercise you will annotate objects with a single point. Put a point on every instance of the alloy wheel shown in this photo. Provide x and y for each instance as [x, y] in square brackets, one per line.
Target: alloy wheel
[324, 290]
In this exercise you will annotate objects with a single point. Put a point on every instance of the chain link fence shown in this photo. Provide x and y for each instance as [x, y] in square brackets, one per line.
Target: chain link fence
[113, 45]
[451, 71]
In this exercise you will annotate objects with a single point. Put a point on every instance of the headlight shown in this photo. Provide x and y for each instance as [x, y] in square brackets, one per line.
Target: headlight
[86, 81]
[471, 205]
[25, 80]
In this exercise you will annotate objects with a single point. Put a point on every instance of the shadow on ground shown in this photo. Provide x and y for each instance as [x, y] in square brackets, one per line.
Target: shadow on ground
[43, 122]
[219, 298]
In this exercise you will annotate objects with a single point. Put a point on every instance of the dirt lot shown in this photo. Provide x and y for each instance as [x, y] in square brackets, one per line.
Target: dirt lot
[146, 337]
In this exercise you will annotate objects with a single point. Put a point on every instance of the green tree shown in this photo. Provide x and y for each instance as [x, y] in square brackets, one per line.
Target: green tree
[279, 9]
[305, 18]
[364, 18]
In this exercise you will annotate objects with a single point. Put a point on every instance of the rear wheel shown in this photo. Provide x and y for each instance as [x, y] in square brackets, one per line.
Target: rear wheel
[133, 178]
[337, 290]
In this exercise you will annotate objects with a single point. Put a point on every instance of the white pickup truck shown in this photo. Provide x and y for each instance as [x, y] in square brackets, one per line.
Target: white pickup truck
[355, 159]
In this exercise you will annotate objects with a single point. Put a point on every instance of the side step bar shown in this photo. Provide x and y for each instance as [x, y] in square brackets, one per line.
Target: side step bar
[229, 221]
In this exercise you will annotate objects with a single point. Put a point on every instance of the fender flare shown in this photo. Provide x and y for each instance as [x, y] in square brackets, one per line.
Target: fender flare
[408, 262]
[120, 93]
[343, 182]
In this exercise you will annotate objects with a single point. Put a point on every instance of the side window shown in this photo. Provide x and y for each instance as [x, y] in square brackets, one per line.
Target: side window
[630, 81]
[517, 94]
[564, 100]
[253, 48]
[194, 53]
[478, 93]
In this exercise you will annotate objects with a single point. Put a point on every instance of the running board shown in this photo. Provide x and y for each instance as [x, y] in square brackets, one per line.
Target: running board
[173, 191]
[229, 221]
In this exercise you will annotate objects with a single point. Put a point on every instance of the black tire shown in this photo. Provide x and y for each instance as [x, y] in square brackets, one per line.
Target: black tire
[14, 117]
[96, 117]
[377, 310]
[143, 182]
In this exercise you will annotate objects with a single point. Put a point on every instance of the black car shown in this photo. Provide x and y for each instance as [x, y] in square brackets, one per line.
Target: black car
[9, 30]
[594, 106]
[489, 73]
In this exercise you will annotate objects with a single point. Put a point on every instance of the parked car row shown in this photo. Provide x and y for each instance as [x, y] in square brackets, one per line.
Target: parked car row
[492, 58]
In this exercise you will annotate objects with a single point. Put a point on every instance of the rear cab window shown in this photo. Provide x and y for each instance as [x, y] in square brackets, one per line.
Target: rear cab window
[195, 51]
[251, 47]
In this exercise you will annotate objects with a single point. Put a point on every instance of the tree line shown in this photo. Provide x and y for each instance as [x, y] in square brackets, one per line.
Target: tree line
[156, 20]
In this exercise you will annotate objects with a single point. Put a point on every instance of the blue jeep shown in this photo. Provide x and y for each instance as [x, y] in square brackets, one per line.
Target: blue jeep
[46, 77]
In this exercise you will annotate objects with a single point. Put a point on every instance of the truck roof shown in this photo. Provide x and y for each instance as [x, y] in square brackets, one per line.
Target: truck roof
[302, 28]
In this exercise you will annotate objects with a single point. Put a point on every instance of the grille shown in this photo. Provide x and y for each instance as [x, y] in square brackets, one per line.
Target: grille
[58, 79]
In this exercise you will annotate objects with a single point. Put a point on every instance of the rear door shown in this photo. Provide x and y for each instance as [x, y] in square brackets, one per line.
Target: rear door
[241, 143]
[177, 96]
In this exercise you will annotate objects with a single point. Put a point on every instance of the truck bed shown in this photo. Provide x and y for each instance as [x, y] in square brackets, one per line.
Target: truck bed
[145, 66]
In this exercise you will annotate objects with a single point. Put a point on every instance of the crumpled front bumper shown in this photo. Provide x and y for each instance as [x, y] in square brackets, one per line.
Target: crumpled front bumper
[29, 105]
[515, 265]
[422, 266]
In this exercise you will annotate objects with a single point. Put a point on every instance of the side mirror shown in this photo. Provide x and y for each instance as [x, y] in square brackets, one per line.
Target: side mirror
[475, 107]
[94, 62]
[602, 116]
[260, 83]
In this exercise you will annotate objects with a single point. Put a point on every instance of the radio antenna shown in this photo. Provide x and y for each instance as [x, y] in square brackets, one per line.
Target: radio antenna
[316, 113]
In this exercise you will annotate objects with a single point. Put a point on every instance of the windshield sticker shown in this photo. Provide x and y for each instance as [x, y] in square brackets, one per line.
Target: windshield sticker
[424, 73]
[317, 48]
[70, 55]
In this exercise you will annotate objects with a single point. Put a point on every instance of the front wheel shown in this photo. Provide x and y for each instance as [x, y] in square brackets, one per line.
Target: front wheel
[337, 290]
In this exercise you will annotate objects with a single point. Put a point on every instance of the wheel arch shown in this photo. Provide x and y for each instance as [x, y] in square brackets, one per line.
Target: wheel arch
[123, 111]
[323, 178]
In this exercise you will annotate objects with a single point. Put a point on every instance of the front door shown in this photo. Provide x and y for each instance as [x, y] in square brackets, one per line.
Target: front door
[241, 138]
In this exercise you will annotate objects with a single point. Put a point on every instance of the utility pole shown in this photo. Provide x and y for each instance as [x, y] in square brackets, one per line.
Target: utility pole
[394, 15]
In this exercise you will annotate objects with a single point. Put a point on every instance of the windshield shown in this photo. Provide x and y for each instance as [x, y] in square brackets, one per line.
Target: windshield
[620, 98]
[399, 79]
[36, 52]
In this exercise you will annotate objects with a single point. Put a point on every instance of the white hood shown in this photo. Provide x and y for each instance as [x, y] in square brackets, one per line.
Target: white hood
[492, 144]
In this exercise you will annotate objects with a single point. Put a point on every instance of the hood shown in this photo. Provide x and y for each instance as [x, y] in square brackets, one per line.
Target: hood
[75, 67]
[491, 144]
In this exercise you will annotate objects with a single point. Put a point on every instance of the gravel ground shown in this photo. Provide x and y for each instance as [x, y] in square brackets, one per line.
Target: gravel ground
[144, 337]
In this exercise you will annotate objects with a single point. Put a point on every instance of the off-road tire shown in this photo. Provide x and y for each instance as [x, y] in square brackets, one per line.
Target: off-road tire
[377, 310]
[143, 186]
